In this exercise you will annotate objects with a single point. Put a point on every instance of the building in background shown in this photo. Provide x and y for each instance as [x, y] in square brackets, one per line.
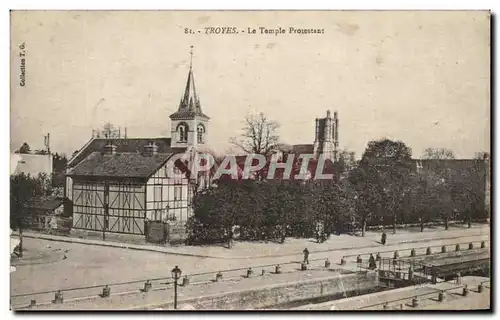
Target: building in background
[326, 139]
[31, 164]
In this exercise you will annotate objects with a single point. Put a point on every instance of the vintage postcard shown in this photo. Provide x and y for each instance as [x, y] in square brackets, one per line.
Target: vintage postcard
[250, 160]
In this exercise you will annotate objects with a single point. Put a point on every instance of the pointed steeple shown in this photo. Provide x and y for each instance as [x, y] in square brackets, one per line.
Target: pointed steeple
[189, 105]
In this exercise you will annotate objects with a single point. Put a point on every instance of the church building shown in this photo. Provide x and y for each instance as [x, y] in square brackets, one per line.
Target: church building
[117, 184]
[326, 141]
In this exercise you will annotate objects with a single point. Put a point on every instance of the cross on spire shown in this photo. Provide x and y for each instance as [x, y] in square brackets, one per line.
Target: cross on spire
[191, 59]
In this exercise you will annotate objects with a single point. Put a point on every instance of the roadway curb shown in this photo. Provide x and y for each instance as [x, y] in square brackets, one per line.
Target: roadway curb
[124, 246]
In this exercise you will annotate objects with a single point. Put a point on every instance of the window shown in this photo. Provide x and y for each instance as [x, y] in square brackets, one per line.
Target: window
[177, 192]
[200, 132]
[182, 131]
[157, 193]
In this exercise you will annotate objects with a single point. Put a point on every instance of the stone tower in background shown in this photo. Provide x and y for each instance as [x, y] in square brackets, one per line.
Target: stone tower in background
[326, 140]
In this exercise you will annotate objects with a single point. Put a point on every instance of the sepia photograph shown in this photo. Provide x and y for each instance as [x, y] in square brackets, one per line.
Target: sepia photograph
[171, 160]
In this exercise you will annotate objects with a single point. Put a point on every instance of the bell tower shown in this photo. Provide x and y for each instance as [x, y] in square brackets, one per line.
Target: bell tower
[326, 140]
[189, 124]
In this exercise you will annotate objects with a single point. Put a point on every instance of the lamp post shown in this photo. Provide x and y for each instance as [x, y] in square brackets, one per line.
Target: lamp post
[176, 274]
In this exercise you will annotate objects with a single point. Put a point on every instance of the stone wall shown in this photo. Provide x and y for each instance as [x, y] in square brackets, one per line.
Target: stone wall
[272, 296]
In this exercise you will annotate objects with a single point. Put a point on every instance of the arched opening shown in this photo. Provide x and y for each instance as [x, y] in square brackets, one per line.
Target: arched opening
[201, 133]
[182, 132]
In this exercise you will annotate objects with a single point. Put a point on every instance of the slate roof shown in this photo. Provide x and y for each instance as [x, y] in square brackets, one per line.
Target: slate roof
[45, 203]
[189, 106]
[132, 145]
[120, 165]
[303, 149]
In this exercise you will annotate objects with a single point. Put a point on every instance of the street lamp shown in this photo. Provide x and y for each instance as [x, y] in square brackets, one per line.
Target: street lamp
[176, 274]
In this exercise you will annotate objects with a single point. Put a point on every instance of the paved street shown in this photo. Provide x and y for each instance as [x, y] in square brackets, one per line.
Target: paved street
[98, 265]
[251, 250]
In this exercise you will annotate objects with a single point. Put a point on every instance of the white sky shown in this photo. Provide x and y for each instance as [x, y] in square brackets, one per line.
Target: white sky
[419, 77]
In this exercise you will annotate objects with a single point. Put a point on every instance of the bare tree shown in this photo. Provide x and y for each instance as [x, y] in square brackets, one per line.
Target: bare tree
[259, 135]
[347, 160]
[438, 153]
[109, 131]
[482, 155]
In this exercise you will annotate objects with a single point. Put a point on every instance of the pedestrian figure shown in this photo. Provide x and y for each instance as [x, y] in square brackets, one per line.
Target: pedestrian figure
[372, 265]
[306, 256]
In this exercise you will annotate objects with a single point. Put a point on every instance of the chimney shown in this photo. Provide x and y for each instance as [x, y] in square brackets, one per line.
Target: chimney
[150, 150]
[110, 149]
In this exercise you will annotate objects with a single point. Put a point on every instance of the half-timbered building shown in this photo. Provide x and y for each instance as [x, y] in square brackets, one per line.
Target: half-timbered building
[117, 185]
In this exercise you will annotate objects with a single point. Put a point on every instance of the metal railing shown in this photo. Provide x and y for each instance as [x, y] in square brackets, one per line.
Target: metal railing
[229, 274]
[436, 291]
[166, 281]
[422, 248]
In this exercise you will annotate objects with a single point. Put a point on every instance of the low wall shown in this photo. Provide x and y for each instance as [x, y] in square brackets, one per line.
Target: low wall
[117, 237]
[276, 295]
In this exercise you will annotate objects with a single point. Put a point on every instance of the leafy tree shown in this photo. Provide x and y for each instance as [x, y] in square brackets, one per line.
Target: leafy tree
[367, 195]
[468, 191]
[23, 188]
[389, 166]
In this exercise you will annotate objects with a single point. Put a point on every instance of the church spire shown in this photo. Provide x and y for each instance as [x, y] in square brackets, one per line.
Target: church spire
[190, 102]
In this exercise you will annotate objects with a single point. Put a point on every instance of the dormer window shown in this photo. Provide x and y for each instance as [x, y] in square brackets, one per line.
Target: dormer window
[182, 132]
[200, 133]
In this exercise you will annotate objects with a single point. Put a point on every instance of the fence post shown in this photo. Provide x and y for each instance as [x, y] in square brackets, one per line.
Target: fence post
[277, 269]
[147, 286]
[58, 297]
[414, 302]
[106, 291]
[441, 296]
[465, 291]
[218, 276]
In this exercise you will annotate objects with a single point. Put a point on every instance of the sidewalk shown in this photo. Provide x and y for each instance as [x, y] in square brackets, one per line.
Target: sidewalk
[291, 247]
